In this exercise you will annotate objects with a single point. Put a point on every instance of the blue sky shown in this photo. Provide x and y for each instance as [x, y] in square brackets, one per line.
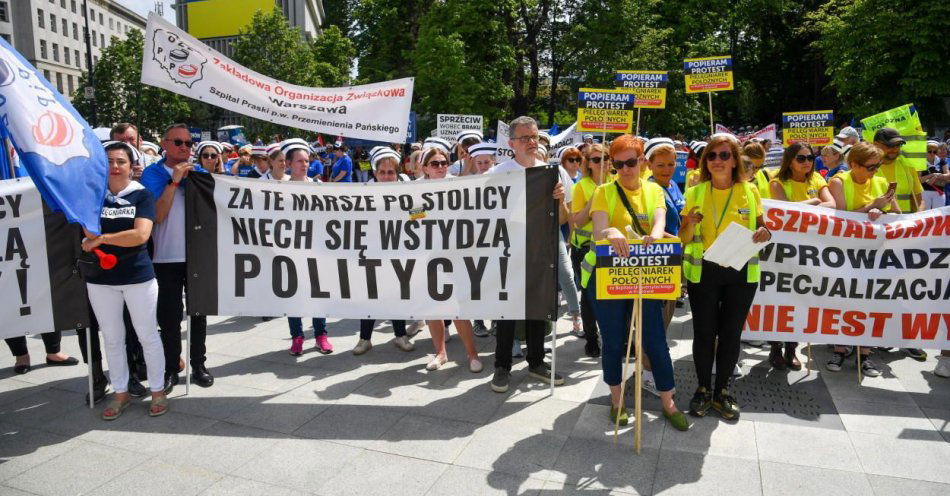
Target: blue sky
[143, 7]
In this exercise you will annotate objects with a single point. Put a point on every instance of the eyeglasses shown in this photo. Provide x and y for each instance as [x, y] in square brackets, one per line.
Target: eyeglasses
[438, 163]
[872, 167]
[573, 160]
[527, 139]
[630, 162]
[385, 173]
[212, 156]
[804, 158]
[178, 142]
[723, 156]
[595, 160]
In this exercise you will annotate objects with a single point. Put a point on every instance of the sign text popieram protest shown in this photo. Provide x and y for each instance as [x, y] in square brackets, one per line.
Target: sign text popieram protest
[835, 277]
[649, 87]
[454, 248]
[654, 271]
[708, 74]
[815, 127]
[175, 61]
[605, 110]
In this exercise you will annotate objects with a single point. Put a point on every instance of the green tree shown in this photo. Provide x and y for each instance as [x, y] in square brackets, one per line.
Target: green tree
[120, 95]
[333, 54]
[880, 55]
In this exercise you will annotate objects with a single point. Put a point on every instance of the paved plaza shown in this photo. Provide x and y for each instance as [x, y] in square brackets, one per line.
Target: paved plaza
[380, 424]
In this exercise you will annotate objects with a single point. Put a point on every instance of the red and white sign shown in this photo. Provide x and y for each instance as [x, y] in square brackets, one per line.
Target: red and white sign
[837, 277]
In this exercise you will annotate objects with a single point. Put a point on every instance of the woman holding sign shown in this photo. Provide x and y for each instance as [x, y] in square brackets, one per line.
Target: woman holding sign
[720, 297]
[860, 190]
[435, 165]
[616, 207]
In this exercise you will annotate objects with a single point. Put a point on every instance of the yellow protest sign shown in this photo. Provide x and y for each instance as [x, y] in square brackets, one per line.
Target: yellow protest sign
[654, 271]
[649, 87]
[609, 111]
[814, 127]
[907, 122]
[708, 74]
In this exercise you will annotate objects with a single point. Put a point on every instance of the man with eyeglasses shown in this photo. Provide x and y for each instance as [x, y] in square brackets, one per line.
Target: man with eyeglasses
[524, 142]
[166, 180]
[895, 169]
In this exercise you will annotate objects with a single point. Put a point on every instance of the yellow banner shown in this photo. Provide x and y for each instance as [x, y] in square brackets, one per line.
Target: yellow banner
[653, 272]
[813, 127]
[648, 86]
[707, 74]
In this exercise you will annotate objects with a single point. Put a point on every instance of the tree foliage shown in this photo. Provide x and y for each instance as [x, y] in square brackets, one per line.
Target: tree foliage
[119, 94]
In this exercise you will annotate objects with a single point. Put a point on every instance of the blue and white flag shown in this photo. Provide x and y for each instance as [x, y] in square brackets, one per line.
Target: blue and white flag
[55, 145]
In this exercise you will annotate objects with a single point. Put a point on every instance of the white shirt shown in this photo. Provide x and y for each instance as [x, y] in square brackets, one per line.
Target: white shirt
[511, 165]
[168, 237]
[456, 168]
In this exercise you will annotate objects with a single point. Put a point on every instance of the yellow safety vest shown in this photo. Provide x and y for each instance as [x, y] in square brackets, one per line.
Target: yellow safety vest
[904, 175]
[878, 188]
[612, 197]
[693, 251]
[581, 235]
[762, 179]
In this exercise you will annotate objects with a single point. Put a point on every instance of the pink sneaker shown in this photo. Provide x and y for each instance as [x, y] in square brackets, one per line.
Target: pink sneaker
[296, 346]
[323, 344]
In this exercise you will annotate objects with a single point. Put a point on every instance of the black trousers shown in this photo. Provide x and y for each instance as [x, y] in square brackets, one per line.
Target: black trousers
[51, 341]
[366, 328]
[588, 318]
[172, 283]
[720, 303]
[505, 339]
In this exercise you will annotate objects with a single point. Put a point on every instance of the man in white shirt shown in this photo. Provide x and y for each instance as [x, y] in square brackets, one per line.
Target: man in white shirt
[524, 140]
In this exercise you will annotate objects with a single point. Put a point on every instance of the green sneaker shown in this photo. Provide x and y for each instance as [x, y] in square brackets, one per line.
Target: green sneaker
[701, 402]
[726, 405]
[678, 421]
[623, 416]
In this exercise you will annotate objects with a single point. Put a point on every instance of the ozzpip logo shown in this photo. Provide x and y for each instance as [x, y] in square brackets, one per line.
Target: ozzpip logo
[183, 64]
[37, 120]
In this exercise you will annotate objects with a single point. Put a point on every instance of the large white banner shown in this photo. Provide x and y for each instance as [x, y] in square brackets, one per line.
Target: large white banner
[455, 248]
[836, 277]
[179, 63]
[448, 126]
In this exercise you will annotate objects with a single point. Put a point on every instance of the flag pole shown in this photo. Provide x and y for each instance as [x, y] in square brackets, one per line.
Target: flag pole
[187, 355]
[638, 121]
[711, 126]
[92, 399]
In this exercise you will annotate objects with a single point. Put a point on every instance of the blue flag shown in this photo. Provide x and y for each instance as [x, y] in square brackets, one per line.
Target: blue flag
[55, 145]
[554, 129]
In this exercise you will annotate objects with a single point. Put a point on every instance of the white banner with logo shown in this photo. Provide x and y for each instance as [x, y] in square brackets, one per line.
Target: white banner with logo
[837, 277]
[501, 137]
[179, 63]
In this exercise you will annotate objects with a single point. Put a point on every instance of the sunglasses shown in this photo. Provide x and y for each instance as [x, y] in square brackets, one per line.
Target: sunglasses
[438, 163]
[385, 173]
[595, 160]
[212, 156]
[630, 162]
[178, 142]
[872, 167]
[723, 156]
[573, 160]
[804, 158]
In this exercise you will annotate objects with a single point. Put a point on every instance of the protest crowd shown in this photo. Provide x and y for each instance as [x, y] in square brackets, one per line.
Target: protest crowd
[615, 190]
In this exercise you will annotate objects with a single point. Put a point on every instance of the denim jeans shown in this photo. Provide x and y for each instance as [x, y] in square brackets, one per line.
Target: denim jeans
[296, 326]
[565, 278]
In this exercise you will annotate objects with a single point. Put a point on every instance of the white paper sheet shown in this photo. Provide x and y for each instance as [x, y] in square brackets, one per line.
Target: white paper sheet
[733, 247]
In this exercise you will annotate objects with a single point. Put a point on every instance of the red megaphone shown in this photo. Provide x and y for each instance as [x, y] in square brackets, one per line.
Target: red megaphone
[106, 260]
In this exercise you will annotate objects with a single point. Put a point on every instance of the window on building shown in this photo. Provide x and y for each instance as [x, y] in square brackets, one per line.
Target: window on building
[92, 14]
[100, 18]
[66, 56]
[95, 61]
[7, 38]
[46, 75]
[72, 6]
[111, 24]
[62, 3]
[52, 23]
[4, 12]
[69, 85]
[43, 51]
[65, 27]
[41, 18]
[75, 31]
[59, 82]
[118, 26]
[102, 40]
[55, 52]
[78, 60]
[95, 39]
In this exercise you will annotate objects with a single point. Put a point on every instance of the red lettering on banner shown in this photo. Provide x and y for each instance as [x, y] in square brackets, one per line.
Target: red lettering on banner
[769, 318]
[854, 321]
[808, 219]
[923, 325]
[877, 330]
[773, 219]
[777, 219]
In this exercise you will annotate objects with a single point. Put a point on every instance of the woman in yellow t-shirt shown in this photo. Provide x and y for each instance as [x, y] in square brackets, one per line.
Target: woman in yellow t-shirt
[593, 166]
[719, 297]
[797, 181]
[757, 174]
[631, 203]
[860, 190]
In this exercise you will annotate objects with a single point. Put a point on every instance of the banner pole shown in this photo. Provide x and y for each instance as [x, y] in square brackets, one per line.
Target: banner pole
[809, 361]
[623, 377]
[712, 129]
[858, 350]
[187, 355]
[638, 398]
[554, 216]
[638, 122]
[92, 400]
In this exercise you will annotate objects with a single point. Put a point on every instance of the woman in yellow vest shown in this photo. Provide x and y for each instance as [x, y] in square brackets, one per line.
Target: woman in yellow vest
[720, 297]
[755, 152]
[860, 190]
[796, 181]
[594, 170]
[626, 203]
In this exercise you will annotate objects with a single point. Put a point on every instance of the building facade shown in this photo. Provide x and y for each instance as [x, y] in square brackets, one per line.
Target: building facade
[217, 22]
[49, 34]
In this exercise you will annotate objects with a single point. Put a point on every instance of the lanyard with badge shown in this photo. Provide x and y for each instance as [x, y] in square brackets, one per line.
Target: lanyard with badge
[722, 216]
[634, 220]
